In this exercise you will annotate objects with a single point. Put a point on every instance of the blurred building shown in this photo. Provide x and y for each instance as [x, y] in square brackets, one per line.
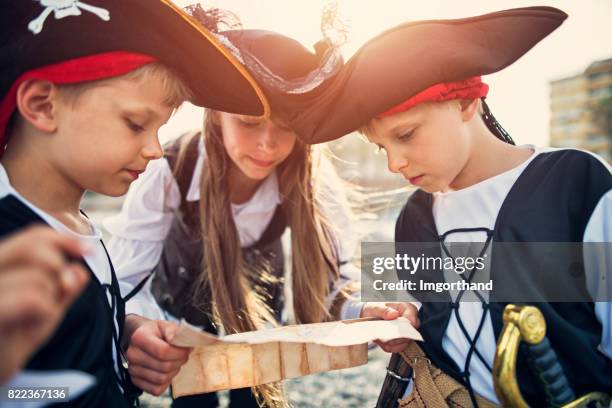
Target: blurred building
[581, 110]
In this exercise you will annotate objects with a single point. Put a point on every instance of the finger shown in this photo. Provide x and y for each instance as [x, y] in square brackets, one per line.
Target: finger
[407, 310]
[386, 345]
[152, 376]
[395, 345]
[26, 279]
[396, 342]
[39, 256]
[14, 245]
[137, 357]
[390, 314]
[167, 329]
[152, 344]
[44, 266]
[395, 349]
[382, 345]
[22, 279]
[51, 262]
[379, 310]
[146, 386]
[39, 245]
[27, 305]
[400, 307]
[412, 315]
[73, 280]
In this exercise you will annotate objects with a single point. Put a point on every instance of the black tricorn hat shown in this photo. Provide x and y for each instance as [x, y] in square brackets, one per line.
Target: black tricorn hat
[405, 60]
[37, 33]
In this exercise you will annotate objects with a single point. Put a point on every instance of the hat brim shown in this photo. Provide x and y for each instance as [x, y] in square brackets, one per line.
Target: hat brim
[157, 28]
[405, 60]
[218, 80]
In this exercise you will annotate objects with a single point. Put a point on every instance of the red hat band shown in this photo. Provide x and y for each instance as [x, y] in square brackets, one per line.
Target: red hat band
[83, 69]
[471, 88]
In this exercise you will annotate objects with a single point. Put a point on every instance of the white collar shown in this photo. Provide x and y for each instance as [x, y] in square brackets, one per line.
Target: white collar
[265, 199]
[5, 184]
[7, 189]
[510, 174]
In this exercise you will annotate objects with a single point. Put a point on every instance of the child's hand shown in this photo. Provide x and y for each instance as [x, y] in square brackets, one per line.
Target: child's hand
[37, 285]
[391, 311]
[152, 361]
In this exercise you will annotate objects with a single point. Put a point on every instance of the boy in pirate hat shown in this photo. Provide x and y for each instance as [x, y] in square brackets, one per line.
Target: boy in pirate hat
[416, 92]
[85, 87]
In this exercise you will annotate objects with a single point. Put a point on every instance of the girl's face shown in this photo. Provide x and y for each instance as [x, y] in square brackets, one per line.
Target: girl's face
[256, 146]
[428, 144]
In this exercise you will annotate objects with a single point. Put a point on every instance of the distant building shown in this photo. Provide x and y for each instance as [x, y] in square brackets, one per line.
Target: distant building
[574, 103]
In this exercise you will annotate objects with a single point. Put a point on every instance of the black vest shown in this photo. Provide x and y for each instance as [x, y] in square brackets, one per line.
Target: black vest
[84, 339]
[551, 201]
[182, 258]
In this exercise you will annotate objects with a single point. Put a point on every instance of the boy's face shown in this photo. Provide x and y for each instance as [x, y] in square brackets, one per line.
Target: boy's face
[107, 134]
[256, 146]
[428, 144]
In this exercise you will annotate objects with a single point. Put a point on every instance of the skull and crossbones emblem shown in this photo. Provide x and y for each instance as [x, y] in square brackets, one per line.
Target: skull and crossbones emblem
[64, 8]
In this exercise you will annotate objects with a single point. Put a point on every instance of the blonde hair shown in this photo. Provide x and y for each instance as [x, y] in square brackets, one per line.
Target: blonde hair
[237, 305]
[175, 90]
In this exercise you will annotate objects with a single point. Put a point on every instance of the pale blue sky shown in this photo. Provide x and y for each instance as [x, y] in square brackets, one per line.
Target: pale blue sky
[519, 95]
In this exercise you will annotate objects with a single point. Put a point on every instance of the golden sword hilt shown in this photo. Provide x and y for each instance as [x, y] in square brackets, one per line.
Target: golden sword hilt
[526, 323]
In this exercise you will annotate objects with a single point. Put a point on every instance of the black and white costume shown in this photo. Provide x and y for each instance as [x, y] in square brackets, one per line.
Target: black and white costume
[88, 338]
[557, 195]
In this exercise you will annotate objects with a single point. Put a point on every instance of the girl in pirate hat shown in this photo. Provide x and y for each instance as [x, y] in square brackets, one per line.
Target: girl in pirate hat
[83, 96]
[206, 221]
[416, 92]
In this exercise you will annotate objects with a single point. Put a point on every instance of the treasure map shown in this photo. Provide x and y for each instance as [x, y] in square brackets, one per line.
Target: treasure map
[258, 357]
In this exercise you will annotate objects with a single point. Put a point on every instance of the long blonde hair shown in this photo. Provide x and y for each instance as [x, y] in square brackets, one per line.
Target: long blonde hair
[237, 306]
[314, 261]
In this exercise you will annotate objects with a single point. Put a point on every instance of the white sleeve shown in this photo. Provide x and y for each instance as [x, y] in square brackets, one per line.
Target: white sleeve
[138, 233]
[331, 199]
[598, 266]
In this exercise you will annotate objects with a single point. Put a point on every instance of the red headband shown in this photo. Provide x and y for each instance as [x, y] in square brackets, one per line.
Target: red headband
[471, 88]
[82, 69]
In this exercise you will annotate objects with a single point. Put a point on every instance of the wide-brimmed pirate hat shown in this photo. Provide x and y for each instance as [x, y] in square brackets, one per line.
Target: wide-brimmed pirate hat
[281, 65]
[405, 60]
[38, 33]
